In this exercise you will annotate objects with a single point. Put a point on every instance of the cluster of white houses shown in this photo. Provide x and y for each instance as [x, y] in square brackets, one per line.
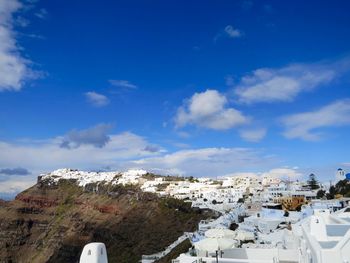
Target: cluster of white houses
[318, 237]
[222, 194]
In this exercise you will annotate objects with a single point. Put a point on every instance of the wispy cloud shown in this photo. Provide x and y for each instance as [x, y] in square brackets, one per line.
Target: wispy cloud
[125, 84]
[253, 135]
[42, 13]
[13, 180]
[206, 161]
[14, 185]
[96, 136]
[306, 125]
[34, 36]
[281, 173]
[97, 99]
[286, 83]
[209, 110]
[15, 70]
[229, 32]
[21, 21]
[183, 134]
[232, 32]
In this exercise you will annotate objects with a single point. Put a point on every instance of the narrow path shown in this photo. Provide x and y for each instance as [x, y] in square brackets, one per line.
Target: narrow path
[159, 255]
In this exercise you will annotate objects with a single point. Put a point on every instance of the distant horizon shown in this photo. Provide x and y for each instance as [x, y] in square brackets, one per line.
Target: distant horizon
[197, 89]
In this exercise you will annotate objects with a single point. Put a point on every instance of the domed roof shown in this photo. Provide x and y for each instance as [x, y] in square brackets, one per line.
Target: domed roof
[340, 169]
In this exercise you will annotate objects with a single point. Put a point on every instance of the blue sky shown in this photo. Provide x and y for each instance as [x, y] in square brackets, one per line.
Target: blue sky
[191, 87]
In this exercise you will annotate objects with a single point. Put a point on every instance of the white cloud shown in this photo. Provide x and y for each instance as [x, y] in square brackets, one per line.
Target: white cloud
[125, 84]
[206, 161]
[209, 110]
[229, 32]
[96, 99]
[15, 185]
[283, 173]
[303, 125]
[253, 135]
[232, 32]
[247, 174]
[284, 84]
[14, 68]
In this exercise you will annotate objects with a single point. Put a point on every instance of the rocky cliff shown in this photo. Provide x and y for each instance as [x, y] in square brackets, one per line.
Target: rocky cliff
[52, 222]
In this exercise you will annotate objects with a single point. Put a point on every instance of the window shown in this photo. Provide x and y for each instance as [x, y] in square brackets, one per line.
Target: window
[89, 252]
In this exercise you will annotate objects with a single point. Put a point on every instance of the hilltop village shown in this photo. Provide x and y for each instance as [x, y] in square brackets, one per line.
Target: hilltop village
[259, 218]
[221, 194]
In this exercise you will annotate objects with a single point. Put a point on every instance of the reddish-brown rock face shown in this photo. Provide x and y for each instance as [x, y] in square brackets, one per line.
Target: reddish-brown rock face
[40, 201]
[52, 223]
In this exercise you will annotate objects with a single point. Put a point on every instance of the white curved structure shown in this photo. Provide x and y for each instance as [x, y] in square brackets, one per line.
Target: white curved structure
[208, 246]
[94, 253]
[220, 233]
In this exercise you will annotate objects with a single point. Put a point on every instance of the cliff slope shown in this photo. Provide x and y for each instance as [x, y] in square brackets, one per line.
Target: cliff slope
[51, 222]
